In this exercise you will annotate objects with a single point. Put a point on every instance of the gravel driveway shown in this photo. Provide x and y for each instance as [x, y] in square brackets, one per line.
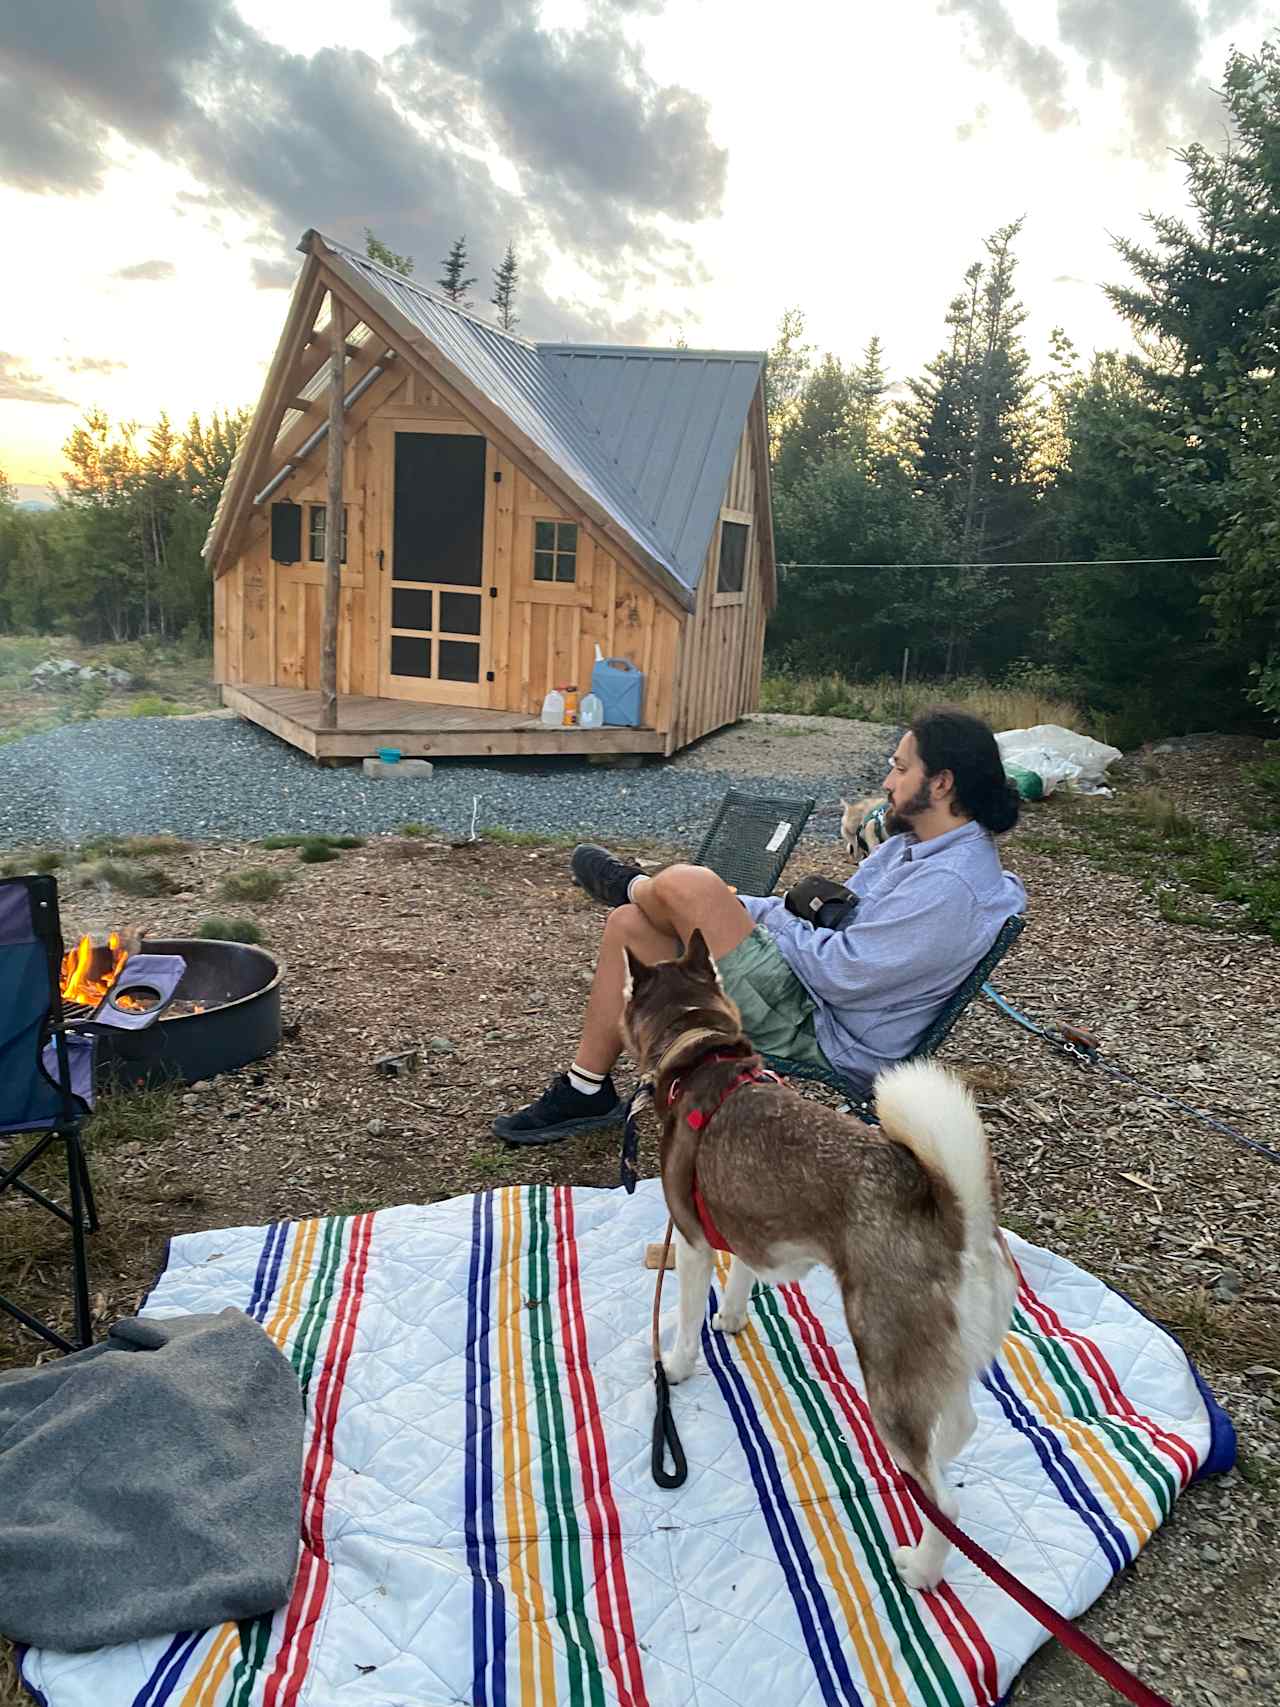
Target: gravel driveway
[218, 777]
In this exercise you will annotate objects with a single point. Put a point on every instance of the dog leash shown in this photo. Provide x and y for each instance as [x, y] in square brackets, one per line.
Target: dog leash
[1108, 1668]
[1084, 1048]
[665, 1437]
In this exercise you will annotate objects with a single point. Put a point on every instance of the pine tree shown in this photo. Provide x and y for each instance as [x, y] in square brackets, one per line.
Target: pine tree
[785, 370]
[505, 280]
[453, 284]
[377, 250]
[819, 424]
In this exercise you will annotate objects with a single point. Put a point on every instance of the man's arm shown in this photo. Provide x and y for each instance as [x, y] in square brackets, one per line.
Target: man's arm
[911, 933]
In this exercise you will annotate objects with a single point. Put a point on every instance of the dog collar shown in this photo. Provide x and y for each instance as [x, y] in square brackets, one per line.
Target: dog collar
[697, 1119]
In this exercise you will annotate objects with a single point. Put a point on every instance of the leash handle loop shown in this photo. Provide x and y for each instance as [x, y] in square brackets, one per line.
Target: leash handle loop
[665, 1436]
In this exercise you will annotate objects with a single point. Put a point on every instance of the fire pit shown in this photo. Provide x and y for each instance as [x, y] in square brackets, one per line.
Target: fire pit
[225, 1012]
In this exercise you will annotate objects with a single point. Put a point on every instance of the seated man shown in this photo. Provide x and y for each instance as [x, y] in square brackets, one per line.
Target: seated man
[929, 904]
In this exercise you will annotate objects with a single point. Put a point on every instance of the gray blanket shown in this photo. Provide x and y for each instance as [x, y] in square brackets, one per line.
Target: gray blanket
[148, 1484]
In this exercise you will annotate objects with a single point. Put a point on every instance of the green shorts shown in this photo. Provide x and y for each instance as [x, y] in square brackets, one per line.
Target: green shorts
[777, 1010]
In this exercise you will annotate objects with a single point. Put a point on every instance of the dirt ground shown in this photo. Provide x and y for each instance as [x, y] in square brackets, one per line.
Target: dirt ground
[479, 956]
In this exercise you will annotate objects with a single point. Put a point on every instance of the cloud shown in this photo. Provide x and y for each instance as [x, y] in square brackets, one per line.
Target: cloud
[272, 275]
[95, 364]
[1038, 73]
[1154, 48]
[1070, 279]
[18, 386]
[146, 270]
[606, 157]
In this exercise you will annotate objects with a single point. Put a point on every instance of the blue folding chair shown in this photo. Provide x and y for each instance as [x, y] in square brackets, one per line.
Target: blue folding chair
[46, 1067]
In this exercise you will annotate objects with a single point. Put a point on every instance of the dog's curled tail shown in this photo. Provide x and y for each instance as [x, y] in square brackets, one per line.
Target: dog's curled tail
[932, 1113]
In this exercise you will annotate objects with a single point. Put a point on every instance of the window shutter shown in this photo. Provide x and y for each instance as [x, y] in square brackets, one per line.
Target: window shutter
[286, 532]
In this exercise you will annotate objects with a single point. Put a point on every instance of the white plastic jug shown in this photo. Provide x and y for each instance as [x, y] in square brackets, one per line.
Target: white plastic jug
[591, 712]
[553, 710]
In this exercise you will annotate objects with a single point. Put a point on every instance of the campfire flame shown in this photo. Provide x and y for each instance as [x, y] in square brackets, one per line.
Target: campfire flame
[88, 972]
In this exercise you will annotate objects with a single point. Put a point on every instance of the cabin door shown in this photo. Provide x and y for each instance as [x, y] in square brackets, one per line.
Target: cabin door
[436, 618]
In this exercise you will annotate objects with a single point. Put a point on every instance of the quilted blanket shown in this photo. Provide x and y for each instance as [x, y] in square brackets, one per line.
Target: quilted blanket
[479, 1523]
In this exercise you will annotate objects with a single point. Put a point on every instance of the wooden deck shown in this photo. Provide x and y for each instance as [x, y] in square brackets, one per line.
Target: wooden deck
[420, 731]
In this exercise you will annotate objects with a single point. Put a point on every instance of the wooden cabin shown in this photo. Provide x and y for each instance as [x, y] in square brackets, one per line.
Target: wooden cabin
[507, 508]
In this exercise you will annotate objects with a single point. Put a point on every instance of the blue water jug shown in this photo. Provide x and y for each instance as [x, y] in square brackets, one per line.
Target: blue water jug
[619, 686]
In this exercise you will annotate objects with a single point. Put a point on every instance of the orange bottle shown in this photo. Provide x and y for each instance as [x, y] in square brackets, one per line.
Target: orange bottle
[571, 705]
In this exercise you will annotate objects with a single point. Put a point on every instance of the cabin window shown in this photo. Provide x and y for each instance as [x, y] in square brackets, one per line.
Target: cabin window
[733, 557]
[555, 551]
[316, 549]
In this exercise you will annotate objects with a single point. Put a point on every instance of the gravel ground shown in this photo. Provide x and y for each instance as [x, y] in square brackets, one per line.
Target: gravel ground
[220, 777]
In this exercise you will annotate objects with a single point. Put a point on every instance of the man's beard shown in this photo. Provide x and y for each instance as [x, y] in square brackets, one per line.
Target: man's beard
[900, 818]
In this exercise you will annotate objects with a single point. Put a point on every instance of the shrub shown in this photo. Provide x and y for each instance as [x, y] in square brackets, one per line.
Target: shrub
[254, 883]
[220, 929]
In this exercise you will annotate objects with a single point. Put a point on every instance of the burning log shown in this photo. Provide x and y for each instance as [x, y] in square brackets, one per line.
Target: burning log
[97, 960]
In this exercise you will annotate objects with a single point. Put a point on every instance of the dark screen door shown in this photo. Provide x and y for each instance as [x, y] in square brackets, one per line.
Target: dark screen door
[437, 567]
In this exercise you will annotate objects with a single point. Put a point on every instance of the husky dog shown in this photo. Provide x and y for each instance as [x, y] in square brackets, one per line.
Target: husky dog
[904, 1214]
[862, 826]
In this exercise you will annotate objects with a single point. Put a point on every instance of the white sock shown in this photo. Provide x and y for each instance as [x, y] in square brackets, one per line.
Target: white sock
[586, 1082]
[640, 877]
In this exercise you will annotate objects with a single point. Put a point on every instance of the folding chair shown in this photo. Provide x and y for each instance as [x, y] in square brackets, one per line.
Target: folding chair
[858, 1091]
[751, 838]
[46, 1067]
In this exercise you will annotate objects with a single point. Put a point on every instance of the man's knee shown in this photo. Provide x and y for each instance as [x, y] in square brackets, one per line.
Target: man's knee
[681, 886]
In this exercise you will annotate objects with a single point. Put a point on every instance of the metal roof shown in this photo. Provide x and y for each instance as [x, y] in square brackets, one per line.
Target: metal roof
[649, 434]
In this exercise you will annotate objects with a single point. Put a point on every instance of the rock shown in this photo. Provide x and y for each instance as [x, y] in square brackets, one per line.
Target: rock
[1228, 1284]
[202, 1085]
[442, 1046]
[399, 769]
[376, 1128]
[66, 673]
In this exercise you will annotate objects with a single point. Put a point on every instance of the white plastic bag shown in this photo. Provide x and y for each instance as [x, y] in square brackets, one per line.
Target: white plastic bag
[1059, 756]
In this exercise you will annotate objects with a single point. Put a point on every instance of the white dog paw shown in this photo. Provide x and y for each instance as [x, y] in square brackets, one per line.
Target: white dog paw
[677, 1367]
[912, 1570]
[725, 1323]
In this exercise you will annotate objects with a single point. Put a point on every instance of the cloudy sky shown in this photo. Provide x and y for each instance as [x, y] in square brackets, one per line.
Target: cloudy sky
[664, 167]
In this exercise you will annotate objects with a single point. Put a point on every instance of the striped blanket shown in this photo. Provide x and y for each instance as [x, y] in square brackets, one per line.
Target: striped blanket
[479, 1521]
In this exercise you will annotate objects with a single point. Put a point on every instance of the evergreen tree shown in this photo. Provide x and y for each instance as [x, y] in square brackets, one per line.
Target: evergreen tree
[506, 278]
[377, 250]
[819, 424]
[453, 284]
[785, 371]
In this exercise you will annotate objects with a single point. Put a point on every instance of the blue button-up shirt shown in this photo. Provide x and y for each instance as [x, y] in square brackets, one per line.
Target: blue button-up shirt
[927, 912]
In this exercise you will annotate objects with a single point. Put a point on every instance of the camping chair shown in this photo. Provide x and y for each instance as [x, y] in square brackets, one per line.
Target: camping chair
[46, 1067]
[751, 838]
[858, 1091]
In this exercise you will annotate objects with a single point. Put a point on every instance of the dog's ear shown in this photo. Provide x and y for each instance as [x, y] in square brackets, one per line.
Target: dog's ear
[697, 958]
[635, 976]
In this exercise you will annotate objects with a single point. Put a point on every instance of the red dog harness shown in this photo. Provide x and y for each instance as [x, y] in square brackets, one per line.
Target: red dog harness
[697, 1120]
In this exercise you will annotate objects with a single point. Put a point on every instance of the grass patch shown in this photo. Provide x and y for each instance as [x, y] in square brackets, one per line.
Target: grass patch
[883, 699]
[132, 847]
[416, 829]
[527, 838]
[1260, 1473]
[146, 1116]
[40, 861]
[152, 705]
[135, 879]
[1149, 838]
[316, 851]
[310, 839]
[220, 929]
[254, 883]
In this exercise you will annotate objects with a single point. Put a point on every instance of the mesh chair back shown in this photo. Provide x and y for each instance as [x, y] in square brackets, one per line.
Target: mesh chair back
[751, 838]
[30, 966]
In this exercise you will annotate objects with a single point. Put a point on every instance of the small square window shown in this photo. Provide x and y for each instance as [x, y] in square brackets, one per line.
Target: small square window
[733, 557]
[555, 551]
[316, 531]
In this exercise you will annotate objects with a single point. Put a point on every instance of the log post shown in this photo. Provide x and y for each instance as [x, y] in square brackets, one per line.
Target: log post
[333, 517]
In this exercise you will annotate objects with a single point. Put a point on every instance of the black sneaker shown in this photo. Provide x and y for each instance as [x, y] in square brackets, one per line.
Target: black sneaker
[559, 1111]
[602, 876]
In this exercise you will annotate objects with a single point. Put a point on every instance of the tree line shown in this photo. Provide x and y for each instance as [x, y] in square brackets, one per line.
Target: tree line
[1081, 473]
[1169, 453]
